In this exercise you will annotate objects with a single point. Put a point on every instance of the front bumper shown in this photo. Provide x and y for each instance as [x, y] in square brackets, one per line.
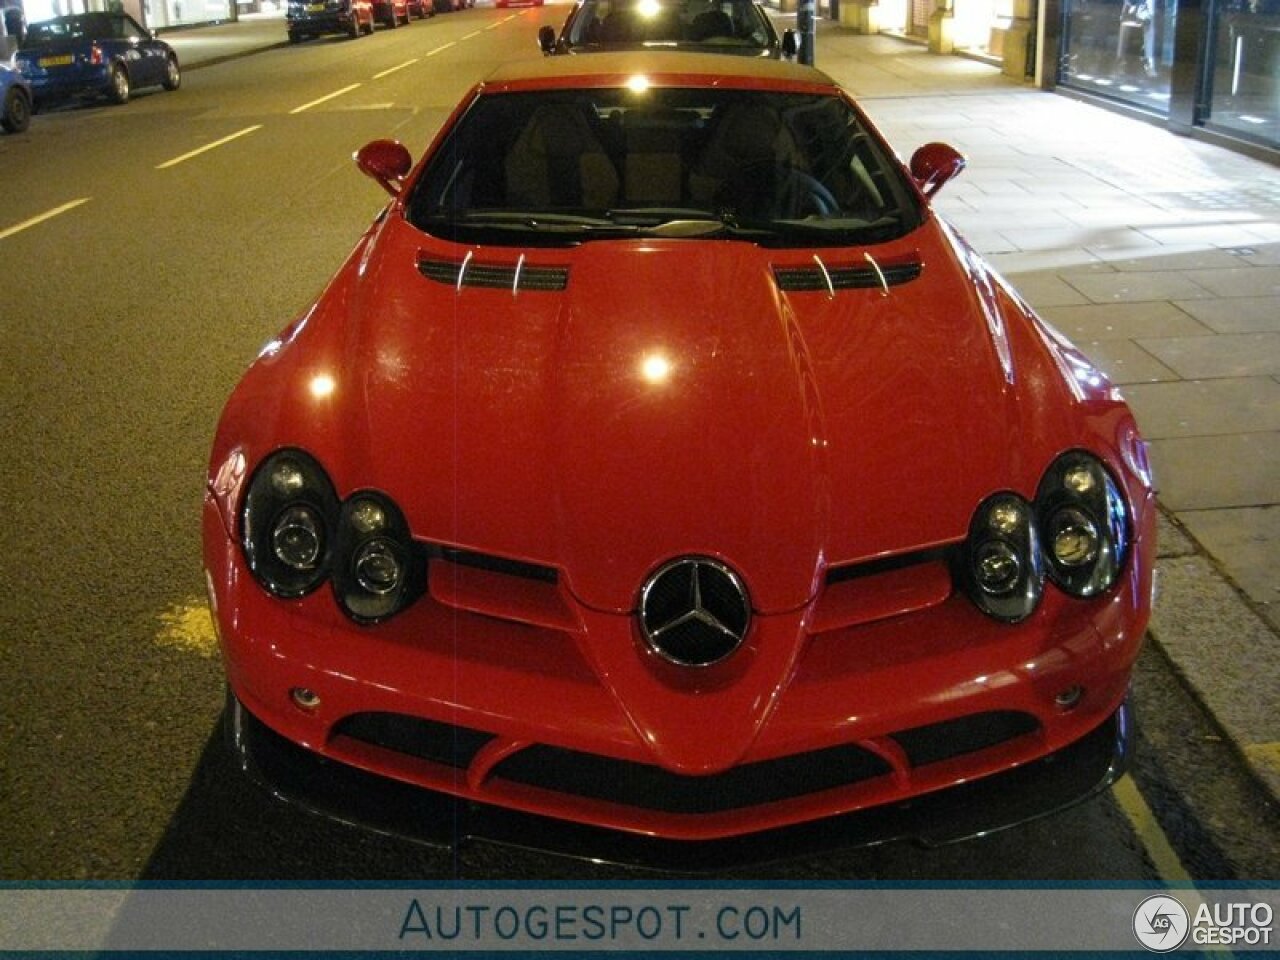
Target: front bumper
[350, 795]
[483, 690]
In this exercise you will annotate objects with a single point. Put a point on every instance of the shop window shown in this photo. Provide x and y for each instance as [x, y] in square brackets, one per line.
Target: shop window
[1121, 49]
[1246, 69]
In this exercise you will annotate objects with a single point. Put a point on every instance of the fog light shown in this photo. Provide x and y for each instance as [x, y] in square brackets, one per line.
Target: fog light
[1069, 698]
[304, 698]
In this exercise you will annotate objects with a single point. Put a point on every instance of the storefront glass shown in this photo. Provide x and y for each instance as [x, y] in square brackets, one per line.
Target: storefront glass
[1246, 74]
[1121, 49]
[150, 13]
[980, 25]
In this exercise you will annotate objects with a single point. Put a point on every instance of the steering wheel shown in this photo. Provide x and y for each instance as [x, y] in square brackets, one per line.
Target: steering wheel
[801, 194]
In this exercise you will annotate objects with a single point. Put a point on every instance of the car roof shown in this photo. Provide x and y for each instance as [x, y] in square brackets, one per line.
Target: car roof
[659, 68]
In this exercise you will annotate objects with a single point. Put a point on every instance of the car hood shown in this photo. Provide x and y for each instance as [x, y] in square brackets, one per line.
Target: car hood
[672, 399]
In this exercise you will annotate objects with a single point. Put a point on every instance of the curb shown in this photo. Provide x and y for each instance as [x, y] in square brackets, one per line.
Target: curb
[1216, 643]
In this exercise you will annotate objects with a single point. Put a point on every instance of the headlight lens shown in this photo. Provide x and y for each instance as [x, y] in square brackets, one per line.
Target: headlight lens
[1004, 568]
[296, 534]
[382, 570]
[288, 514]
[1077, 533]
[1086, 523]
[296, 539]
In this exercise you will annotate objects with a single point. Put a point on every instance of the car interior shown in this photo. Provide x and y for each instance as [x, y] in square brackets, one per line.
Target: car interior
[726, 154]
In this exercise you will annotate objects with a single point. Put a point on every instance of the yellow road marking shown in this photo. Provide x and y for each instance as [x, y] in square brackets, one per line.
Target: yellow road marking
[49, 215]
[451, 43]
[189, 628]
[1266, 756]
[1147, 827]
[387, 73]
[473, 33]
[1166, 860]
[325, 99]
[207, 147]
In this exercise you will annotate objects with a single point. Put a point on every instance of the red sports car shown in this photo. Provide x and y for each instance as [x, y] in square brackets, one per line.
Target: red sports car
[658, 461]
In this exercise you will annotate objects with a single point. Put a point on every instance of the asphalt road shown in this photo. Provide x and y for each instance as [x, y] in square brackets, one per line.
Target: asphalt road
[149, 251]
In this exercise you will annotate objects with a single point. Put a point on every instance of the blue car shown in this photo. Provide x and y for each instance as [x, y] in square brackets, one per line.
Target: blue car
[95, 54]
[15, 100]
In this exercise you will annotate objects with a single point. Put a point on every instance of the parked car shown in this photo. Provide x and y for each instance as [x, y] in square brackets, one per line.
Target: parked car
[95, 54]
[447, 6]
[661, 462]
[422, 8]
[15, 99]
[314, 18]
[391, 13]
[710, 26]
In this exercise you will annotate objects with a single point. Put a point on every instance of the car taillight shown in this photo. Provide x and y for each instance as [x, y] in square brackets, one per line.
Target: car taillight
[95, 55]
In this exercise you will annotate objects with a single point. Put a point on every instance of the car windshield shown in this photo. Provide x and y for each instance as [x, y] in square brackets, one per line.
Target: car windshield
[731, 26]
[564, 167]
[82, 26]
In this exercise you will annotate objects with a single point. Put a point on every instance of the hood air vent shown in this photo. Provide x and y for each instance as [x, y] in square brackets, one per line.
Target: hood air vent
[861, 276]
[515, 277]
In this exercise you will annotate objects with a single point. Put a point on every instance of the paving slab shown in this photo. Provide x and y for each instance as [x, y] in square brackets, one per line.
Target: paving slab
[1200, 619]
[1236, 314]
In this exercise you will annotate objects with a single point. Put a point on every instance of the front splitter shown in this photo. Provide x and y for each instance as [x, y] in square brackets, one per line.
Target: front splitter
[350, 795]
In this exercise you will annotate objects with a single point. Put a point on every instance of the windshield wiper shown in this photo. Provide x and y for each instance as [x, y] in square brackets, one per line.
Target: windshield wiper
[662, 222]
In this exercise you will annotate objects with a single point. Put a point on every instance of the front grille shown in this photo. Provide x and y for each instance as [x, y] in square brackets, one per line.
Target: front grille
[901, 561]
[954, 738]
[494, 276]
[856, 277]
[650, 787]
[415, 737]
[494, 564]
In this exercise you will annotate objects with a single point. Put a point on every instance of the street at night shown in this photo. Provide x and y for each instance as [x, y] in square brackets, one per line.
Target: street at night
[150, 251]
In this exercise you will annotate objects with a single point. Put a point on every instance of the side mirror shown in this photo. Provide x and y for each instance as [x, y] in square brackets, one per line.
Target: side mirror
[547, 39]
[387, 161]
[789, 45]
[933, 165]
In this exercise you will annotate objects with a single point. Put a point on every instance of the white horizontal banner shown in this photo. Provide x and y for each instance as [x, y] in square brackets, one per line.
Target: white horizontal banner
[570, 919]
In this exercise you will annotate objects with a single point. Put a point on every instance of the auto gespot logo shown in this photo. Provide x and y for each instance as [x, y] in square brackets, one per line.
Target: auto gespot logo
[1161, 923]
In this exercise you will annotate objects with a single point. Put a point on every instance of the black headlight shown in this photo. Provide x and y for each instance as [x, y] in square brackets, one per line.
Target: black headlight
[1002, 558]
[380, 569]
[1084, 522]
[286, 526]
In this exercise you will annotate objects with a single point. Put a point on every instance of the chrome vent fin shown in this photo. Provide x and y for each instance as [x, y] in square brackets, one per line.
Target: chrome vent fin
[516, 277]
[828, 278]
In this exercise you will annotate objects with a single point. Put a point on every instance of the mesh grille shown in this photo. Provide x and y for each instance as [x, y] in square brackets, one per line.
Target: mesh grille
[416, 737]
[652, 788]
[954, 738]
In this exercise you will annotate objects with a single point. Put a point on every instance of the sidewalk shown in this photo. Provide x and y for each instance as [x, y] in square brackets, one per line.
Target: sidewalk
[1160, 257]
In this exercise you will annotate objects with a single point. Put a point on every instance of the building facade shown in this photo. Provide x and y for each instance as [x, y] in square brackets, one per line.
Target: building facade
[1206, 68]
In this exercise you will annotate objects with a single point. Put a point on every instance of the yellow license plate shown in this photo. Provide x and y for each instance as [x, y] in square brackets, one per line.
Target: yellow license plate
[315, 8]
[63, 61]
